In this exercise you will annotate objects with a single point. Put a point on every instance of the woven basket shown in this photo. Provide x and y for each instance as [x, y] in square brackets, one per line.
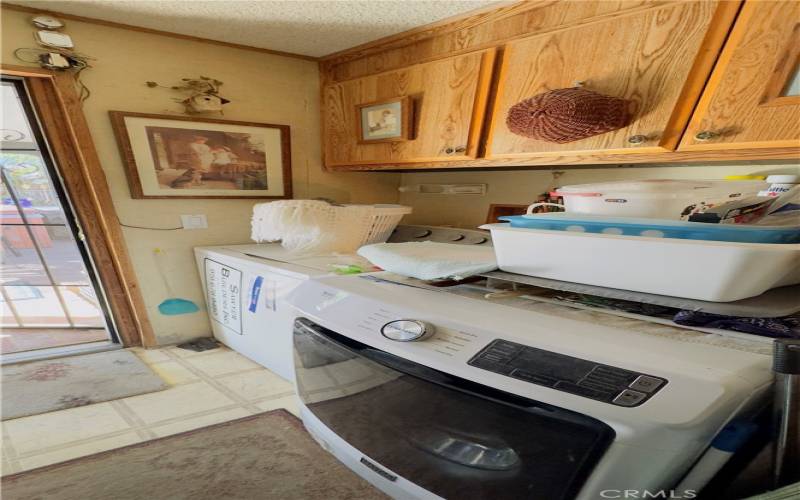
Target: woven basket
[567, 115]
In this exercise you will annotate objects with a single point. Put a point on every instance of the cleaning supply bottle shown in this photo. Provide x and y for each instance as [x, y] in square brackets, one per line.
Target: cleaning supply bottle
[780, 184]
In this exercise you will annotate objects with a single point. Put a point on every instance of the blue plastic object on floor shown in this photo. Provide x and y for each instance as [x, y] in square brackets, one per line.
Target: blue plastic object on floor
[656, 228]
[173, 307]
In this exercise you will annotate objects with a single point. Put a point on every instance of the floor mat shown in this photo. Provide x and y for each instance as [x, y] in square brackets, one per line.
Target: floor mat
[266, 456]
[56, 384]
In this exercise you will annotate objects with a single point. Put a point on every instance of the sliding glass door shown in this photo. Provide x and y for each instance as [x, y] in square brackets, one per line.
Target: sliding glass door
[50, 294]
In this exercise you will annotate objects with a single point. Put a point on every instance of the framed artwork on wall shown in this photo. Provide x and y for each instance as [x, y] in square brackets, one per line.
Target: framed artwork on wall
[169, 156]
[384, 121]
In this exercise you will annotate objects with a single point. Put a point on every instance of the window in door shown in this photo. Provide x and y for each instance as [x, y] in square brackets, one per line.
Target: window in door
[49, 294]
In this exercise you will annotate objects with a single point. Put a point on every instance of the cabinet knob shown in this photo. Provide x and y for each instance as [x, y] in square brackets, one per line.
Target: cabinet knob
[448, 150]
[637, 139]
[706, 135]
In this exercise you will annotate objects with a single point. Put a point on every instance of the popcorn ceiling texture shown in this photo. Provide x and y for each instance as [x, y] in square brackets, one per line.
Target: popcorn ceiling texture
[308, 27]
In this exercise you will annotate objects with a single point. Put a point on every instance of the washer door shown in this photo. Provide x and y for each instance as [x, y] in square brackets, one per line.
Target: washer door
[455, 438]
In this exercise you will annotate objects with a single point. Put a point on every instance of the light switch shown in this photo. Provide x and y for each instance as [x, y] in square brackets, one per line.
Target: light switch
[197, 221]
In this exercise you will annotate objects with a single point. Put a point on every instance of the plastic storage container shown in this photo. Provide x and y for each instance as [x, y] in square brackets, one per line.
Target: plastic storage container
[661, 199]
[716, 271]
[656, 228]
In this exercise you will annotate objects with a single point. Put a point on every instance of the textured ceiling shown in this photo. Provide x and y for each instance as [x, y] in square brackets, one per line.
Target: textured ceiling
[309, 27]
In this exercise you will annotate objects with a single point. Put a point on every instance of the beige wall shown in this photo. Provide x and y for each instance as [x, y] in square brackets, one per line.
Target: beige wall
[262, 88]
[523, 187]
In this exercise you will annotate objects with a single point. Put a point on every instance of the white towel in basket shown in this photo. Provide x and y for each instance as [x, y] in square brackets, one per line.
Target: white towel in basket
[314, 226]
[310, 225]
[429, 260]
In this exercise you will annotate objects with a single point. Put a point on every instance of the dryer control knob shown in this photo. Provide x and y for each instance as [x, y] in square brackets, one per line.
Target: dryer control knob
[407, 330]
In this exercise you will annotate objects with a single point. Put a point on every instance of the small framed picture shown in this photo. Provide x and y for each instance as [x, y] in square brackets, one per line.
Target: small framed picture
[384, 121]
[181, 157]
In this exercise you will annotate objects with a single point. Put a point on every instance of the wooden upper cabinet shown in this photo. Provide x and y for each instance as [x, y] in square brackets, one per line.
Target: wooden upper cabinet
[448, 99]
[753, 97]
[659, 58]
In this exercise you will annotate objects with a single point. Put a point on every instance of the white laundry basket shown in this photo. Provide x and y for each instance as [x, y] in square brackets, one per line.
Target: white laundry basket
[382, 222]
[316, 226]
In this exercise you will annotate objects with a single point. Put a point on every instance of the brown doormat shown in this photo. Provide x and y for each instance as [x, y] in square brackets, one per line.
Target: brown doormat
[266, 456]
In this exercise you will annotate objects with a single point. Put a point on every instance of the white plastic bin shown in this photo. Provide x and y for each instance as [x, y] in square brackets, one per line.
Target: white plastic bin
[716, 271]
[658, 198]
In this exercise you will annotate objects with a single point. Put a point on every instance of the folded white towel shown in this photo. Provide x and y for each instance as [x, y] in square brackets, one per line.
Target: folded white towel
[429, 260]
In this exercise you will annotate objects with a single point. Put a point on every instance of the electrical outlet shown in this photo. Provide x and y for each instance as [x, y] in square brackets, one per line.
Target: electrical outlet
[197, 221]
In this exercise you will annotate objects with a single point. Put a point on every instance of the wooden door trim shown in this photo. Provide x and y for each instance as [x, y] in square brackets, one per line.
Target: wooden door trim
[67, 132]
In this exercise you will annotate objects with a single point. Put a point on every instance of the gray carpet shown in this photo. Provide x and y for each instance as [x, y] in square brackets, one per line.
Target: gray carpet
[56, 384]
[266, 456]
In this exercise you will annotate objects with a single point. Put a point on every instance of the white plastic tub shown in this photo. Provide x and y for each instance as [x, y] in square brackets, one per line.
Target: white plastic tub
[658, 198]
[716, 271]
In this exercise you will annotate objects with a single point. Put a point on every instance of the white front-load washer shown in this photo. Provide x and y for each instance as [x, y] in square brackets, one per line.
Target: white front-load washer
[433, 395]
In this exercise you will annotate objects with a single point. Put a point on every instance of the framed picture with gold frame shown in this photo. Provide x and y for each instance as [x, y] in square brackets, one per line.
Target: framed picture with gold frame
[384, 121]
[169, 156]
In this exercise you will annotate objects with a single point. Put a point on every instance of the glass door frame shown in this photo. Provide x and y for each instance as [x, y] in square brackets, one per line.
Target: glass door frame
[71, 222]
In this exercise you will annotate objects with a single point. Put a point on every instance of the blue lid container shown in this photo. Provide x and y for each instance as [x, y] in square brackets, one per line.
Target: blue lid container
[656, 228]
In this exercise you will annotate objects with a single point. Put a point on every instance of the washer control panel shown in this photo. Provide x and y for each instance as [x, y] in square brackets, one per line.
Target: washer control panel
[577, 376]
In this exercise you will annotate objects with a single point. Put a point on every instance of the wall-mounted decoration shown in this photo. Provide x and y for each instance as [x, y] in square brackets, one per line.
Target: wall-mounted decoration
[182, 157]
[566, 115]
[384, 121]
[203, 94]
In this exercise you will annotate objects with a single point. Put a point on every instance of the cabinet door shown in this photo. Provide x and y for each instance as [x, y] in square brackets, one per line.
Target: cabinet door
[753, 97]
[448, 100]
[645, 56]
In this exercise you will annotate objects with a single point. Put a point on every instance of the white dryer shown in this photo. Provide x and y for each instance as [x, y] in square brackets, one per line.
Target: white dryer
[245, 287]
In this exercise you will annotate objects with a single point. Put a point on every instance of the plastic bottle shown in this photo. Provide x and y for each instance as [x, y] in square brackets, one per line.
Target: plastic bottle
[780, 184]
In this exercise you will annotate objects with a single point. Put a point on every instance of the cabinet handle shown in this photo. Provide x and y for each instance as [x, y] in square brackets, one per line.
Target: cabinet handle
[449, 150]
[637, 139]
[706, 135]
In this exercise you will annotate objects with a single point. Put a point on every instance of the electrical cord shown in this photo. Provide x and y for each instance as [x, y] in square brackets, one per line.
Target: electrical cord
[78, 62]
[151, 228]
